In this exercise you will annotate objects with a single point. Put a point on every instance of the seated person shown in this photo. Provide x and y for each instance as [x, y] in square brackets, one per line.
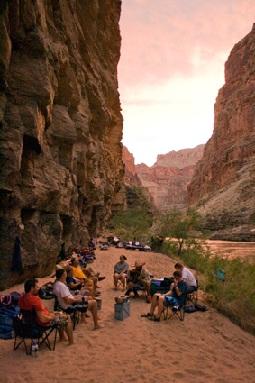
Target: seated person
[91, 244]
[187, 276]
[120, 272]
[31, 301]
[137, 278]
[175, 297]
[68, 302]
[77, 270]
[73, 283]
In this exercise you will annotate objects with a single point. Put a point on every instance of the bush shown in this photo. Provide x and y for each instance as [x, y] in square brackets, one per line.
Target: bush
[235, 295]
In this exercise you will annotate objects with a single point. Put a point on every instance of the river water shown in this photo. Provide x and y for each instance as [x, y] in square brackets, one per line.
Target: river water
[231, 250]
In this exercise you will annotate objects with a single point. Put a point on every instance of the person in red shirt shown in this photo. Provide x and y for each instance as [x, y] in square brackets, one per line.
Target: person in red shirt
[31, 301]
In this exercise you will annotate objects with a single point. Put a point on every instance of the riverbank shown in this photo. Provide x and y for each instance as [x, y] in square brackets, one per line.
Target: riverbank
[206, 347]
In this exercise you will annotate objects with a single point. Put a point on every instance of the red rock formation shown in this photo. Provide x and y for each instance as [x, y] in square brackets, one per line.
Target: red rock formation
[223, 186]
[60, 151]
[180, 158]
[130, 175]
[168, 178]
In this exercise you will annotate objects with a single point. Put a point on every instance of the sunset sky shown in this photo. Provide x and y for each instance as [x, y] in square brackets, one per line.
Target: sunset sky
[171, 68]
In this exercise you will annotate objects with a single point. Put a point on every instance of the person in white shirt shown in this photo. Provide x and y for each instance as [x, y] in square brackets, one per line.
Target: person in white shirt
[187, 276]
[69, 302]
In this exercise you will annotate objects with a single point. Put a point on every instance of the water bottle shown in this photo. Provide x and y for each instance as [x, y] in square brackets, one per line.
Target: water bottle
[34, 348]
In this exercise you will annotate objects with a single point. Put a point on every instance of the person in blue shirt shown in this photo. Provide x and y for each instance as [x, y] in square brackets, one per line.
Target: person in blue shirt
[175, 297]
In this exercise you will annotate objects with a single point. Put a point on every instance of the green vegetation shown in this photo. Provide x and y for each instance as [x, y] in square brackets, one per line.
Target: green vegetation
[229, 284]
[178, 227]
[136, 220]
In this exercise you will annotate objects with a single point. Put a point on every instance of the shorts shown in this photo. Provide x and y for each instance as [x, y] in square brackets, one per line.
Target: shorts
[170, 301]
[81, 307]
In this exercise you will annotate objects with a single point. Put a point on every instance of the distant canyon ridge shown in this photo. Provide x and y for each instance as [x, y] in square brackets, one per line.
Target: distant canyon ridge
[167, 180]
[220, 182]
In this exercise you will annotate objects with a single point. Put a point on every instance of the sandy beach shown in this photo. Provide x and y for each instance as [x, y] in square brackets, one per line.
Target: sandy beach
[206, 347]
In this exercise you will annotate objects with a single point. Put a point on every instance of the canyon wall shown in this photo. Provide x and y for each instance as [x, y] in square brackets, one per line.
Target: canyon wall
[223, 186]
[60, 126]
[165, 183]
[130, 176]
[168, 178]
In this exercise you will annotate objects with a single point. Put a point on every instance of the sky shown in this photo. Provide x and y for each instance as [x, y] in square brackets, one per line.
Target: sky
[171, 68]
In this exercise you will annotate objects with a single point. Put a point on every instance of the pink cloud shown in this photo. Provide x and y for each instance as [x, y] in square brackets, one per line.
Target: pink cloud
[159, 38]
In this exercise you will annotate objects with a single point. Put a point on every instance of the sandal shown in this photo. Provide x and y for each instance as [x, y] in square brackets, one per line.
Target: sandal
[148, 315]
[154, 318]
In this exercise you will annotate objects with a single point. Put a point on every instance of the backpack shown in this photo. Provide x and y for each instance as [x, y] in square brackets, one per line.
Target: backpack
[7, 313]
[190, 309]
[200, 307]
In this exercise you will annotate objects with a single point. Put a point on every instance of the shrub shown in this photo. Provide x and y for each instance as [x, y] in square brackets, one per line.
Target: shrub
[235, 295]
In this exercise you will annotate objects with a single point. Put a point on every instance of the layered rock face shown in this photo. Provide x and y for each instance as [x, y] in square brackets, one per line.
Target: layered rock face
[223, 186]
[130, 175]
[168, 178]
[61, 128]
[181, 158]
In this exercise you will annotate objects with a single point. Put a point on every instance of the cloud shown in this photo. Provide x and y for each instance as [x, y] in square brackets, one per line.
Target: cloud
[159, 37]
[171, 67]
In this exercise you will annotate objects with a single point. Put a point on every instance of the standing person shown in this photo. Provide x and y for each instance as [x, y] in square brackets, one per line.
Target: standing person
[31, 301]
[120, 272]
[187, 276]
[69, 302]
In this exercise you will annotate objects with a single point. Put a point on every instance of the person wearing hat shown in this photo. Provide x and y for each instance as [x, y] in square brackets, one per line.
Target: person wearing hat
[138, 278]
[120, 272]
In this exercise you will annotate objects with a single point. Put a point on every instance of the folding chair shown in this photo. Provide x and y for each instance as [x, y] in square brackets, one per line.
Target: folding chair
[25, 327]
[193, 295]
[170, 311]
[73, 312]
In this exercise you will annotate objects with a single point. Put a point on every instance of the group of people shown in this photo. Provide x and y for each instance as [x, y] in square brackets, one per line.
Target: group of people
[131, 279]
[75, 289]
[139, 278]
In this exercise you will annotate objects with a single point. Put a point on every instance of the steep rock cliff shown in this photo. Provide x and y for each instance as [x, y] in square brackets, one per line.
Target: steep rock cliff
[60, 126]
[130, 175]
[168, 178]
[223, 186]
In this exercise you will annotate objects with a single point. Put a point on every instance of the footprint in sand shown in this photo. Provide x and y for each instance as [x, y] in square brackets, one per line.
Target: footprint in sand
[178, 375]
[193, 372]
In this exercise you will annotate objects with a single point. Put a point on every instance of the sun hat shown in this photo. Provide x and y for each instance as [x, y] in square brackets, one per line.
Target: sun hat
[139, 264]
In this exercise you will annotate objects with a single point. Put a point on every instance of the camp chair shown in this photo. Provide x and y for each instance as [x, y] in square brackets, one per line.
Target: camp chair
[193, 296]
[73, 311]
[25, 327]
[170, 311]
[119, 283]
[135, 289]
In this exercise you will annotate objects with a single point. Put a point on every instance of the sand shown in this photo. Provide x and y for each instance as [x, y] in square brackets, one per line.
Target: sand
[206, 347]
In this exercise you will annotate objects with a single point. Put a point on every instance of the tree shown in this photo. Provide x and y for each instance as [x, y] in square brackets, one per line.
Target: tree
[177, 226]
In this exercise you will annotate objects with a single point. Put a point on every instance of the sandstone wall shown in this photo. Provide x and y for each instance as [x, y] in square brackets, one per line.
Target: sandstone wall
[168, 178]
[223, 186]
[130, 175]
[60, 126]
